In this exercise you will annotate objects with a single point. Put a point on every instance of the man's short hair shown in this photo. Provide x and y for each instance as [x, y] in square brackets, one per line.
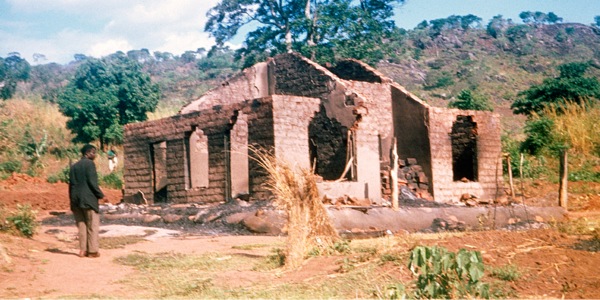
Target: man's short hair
[87, 148]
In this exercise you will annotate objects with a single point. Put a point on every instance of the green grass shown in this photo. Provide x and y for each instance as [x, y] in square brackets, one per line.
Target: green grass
[506, 273]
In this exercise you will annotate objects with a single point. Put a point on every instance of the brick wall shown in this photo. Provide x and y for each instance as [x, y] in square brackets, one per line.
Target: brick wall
[251, 83]
[215, 123]
[489, 168]
[411, 130]
[291, 117]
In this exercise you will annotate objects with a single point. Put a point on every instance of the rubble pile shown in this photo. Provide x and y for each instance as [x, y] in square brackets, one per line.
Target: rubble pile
[410, 177]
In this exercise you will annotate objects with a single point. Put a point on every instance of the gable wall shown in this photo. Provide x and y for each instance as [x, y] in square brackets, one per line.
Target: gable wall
[251, 83]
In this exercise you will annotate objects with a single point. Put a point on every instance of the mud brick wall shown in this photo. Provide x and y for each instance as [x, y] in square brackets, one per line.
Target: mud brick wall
[260, 135]
[239, 156]
[216, 124]
[489, 175]
[296, 75]
[378, 119]
[411, 130]
[299, 76]
[251, 83]
[291, 117]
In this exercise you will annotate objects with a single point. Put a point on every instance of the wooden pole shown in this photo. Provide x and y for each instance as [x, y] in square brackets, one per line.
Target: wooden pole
[563, 174]
[510, 176]
[394, 176]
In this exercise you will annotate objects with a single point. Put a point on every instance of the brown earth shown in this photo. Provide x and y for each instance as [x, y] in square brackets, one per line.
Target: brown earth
[554, 264]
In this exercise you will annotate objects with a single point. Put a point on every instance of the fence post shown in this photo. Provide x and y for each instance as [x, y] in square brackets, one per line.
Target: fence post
[510, 176]
[563, 174]
[394, 175]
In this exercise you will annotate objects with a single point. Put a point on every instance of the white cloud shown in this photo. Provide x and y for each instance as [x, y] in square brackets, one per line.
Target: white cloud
[108, 46]
[173, 26]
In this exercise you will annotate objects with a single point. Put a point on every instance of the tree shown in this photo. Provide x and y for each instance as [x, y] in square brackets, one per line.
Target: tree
[539, 17]
[141, 56]
[320, 29]
[553, 18]
[497, 26]
[12, 70]
[79, 57]
[104, 95]
[468, 99]
[570, 86]
[597, 21]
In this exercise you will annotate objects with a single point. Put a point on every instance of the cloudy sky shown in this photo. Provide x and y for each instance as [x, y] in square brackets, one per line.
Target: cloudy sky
[59, 29]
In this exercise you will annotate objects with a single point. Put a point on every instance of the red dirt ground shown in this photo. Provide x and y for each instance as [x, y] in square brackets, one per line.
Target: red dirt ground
[554, 264]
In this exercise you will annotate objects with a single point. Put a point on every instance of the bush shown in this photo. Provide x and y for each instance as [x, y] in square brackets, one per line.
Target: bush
[539, 135]
[10, 166]
[113, 180]
[586, 173]
[444, 274]
[506, 273]
[436, 80]
[533, 167]
[61, 176]
[24, 220]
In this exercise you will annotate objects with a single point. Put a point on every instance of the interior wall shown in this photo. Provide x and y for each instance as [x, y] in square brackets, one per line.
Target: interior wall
[411, 130]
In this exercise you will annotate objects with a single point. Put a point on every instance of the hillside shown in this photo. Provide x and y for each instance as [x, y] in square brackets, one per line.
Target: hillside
[435, 64]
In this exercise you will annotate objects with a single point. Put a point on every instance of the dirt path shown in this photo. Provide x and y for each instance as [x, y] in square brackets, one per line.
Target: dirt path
[554, 264]
[48, 266]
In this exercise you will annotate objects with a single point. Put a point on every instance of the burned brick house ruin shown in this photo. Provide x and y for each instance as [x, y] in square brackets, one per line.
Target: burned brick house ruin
[342, 121]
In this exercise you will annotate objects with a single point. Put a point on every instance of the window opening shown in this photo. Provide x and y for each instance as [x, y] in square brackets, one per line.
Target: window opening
[238, 157]
[197, 152]
[331, 147]
[159, 171]
[464, 149]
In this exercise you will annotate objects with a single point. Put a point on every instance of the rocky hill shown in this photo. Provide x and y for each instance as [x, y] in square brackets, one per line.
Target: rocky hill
[435, 63]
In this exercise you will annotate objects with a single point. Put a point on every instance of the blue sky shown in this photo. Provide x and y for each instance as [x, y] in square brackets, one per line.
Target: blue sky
[59, 29]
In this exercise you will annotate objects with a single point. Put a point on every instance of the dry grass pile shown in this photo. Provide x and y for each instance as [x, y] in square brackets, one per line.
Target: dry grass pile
[296, 193]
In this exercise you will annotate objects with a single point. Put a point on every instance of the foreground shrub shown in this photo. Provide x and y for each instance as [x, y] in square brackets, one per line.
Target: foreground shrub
[22, 221]
[444, 274]
[296, 193]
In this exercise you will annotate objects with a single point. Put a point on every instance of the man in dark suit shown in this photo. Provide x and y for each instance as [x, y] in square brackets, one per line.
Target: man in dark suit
[84, 194]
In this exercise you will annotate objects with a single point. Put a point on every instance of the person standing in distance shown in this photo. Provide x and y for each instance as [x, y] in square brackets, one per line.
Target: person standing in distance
[84, 194]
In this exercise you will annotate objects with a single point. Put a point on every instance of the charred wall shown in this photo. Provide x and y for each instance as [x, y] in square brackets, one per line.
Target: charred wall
[175, 132]
[411, 130]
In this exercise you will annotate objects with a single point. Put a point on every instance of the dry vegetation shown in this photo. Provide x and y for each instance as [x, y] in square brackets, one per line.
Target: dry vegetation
[296, 193]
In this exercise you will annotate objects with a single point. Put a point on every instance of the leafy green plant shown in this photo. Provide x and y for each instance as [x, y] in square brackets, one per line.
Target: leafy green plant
[436, 80]
[444, 274]
[10, 166]
[570, 86]
[61, 176]
[584, 174]
[113, 180]
[539, 135]
[532, 166]
[24, 220]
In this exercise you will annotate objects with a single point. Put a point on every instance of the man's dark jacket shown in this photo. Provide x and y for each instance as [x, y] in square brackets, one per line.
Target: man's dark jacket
[83, 185]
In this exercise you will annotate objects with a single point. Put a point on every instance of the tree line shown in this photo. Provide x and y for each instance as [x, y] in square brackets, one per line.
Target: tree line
[104, 94]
